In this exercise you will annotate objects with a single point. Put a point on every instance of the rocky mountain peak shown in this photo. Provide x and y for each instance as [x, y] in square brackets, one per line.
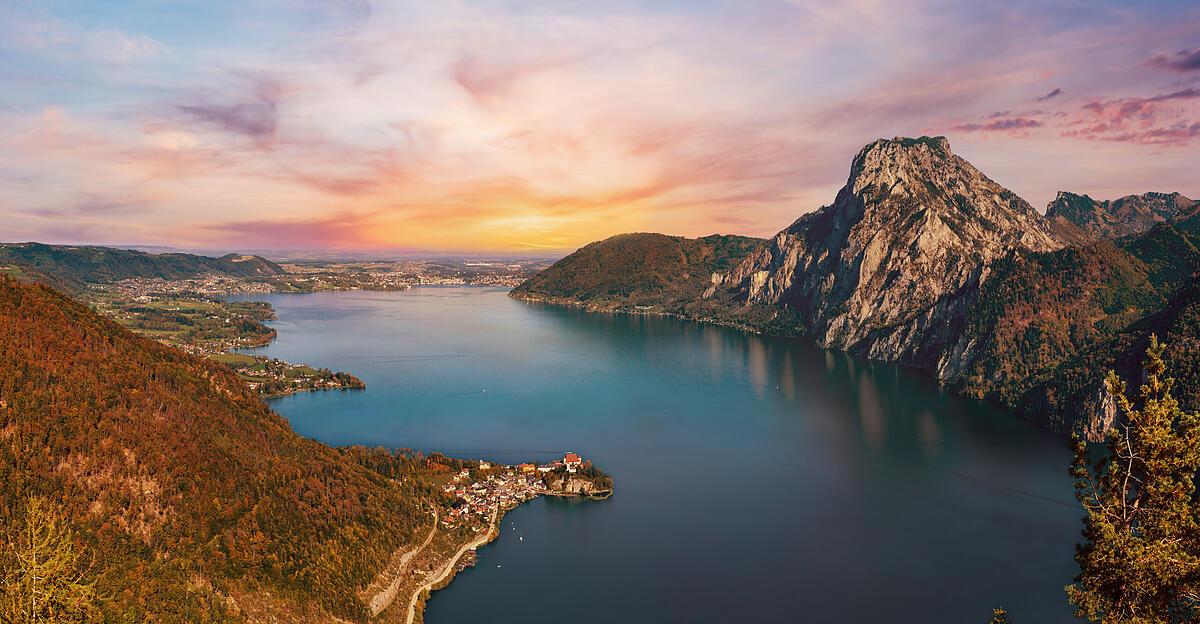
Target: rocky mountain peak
[890, 266]
[887, 160]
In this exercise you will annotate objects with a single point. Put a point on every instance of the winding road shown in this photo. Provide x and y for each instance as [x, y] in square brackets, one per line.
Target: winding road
[449, 567]
[387, 595]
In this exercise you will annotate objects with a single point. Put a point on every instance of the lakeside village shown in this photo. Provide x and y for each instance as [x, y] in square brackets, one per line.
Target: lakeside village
[474, 494]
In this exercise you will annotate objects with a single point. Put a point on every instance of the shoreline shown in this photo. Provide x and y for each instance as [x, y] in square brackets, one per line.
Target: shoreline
[280, 395]
[450, 568]
[747, 329]
[592, 308]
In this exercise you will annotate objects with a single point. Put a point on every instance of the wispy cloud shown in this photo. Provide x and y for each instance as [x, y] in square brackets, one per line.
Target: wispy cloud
[251, 110]
[453, 125]
[1181, 61]
[1004, 124]
[1048, 96]
[1153, 120]
[31, 30]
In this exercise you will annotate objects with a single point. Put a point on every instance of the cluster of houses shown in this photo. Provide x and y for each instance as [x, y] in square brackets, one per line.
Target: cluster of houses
[499, 485]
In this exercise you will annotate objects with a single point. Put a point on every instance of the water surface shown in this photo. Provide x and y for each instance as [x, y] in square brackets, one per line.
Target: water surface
[758, 479]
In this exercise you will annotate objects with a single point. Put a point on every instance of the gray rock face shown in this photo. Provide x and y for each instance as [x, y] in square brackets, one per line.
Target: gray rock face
[574, 485]
[1133, 214]
[1101, 412]
[892, 266]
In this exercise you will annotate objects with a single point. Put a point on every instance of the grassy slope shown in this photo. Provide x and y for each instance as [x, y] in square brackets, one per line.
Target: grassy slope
[186, 487]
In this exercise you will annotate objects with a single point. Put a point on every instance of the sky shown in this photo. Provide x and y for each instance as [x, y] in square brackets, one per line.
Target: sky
[537, 127]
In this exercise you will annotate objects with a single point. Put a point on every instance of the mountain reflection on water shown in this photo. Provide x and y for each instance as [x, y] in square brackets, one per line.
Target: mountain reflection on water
[757, 479]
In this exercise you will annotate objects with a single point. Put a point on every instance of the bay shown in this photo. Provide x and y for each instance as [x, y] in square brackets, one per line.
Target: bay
[757, 479]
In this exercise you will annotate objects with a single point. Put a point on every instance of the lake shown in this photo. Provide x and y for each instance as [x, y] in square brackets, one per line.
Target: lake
[757, 479]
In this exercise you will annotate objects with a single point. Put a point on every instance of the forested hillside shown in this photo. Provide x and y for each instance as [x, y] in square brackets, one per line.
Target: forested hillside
[1049, 325]
[191, 500]
[632, 270]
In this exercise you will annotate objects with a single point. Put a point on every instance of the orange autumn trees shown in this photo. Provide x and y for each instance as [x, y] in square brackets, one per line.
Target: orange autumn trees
[177, 480]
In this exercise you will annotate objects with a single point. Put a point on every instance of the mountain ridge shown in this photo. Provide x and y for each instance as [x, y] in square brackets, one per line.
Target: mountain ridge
[638, 271]
[74, 265]
[1124, 216]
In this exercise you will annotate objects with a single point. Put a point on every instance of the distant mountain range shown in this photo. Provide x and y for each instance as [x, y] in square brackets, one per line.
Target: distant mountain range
[923, 260]
[1079, 218]
[67, 266]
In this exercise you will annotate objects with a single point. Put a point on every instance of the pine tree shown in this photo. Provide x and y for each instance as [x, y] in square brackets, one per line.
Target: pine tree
[1140, 562]
[43, 578]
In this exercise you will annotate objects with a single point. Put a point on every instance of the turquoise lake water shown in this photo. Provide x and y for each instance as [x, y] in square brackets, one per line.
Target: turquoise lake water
[757, 479]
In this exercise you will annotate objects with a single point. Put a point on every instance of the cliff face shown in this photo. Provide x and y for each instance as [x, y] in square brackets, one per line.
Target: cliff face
[578, 486]
[892, 266]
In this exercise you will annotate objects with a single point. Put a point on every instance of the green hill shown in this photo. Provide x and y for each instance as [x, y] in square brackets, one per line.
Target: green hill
[192, 500]
[632, 271]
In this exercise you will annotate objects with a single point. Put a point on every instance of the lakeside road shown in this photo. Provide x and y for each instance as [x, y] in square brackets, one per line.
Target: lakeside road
[387, 595]
[448, 569]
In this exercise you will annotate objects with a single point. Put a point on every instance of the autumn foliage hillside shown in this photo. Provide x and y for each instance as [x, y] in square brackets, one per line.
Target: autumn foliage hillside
[192, 498]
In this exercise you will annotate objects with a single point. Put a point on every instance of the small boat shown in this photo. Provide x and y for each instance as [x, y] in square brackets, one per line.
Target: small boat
[497, 566]
[522, 538]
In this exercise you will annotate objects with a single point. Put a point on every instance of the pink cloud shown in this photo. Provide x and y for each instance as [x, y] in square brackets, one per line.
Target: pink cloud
[342, 230]
[484, 76]
[1155, 120]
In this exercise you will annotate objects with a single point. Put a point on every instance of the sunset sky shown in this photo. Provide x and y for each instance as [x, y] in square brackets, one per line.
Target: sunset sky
[536, 127]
